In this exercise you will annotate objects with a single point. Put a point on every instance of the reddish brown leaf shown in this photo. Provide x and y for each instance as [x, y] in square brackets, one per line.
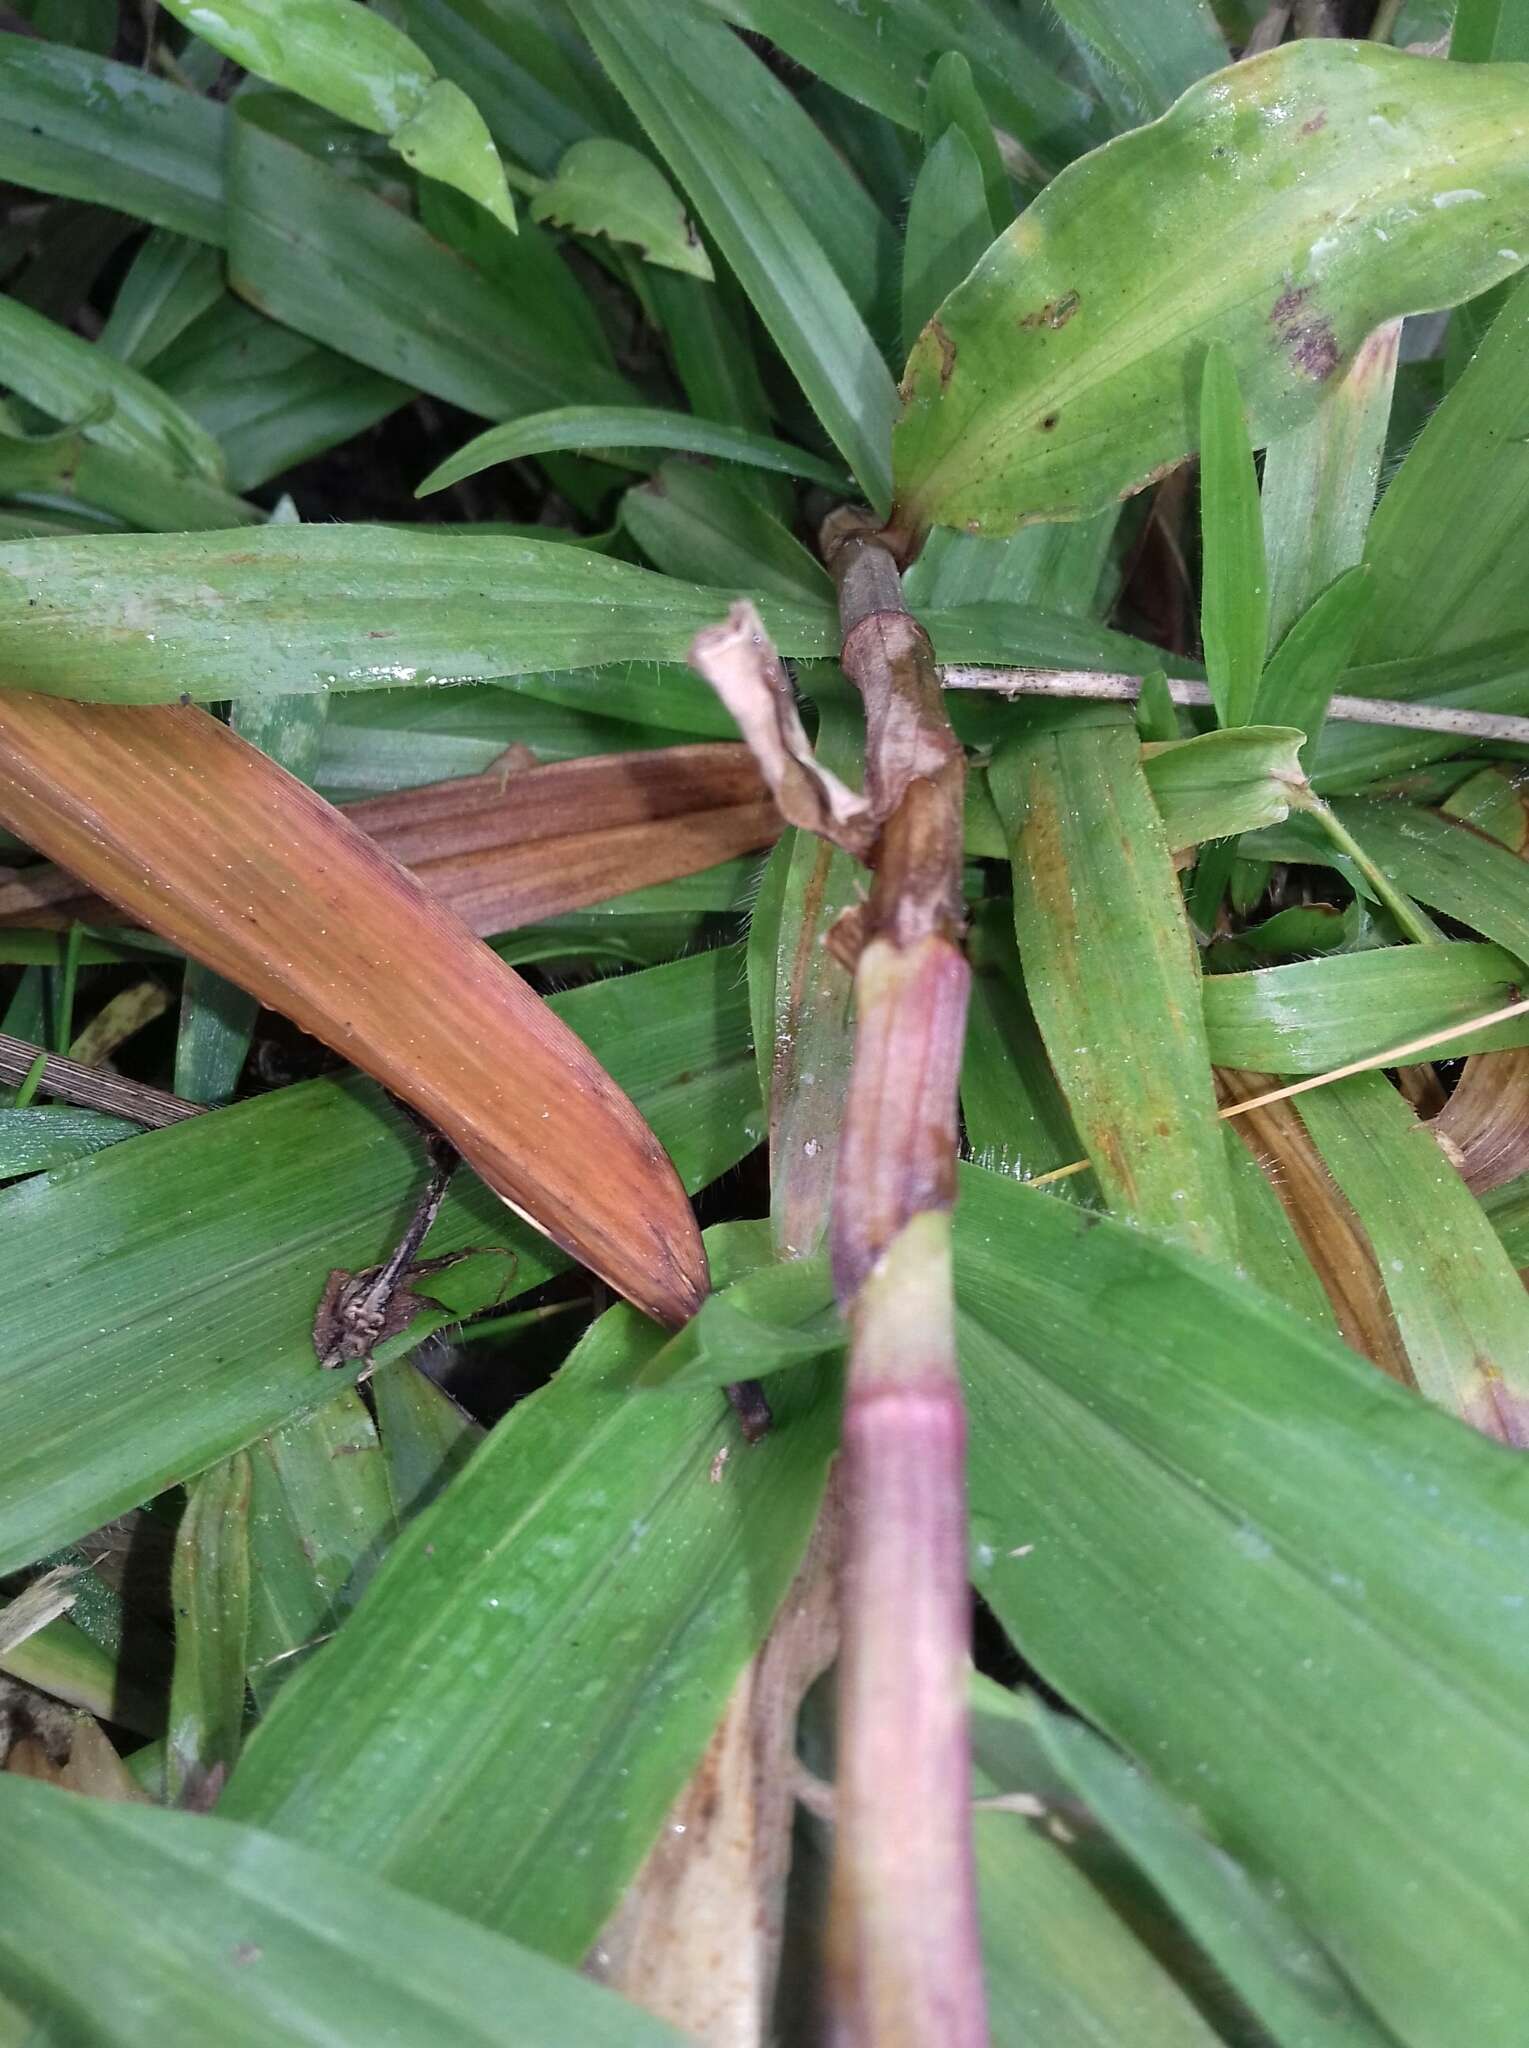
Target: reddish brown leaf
[204, 839]
[514, 845]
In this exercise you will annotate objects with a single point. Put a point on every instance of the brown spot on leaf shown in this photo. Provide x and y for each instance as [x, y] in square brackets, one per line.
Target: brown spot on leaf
[947, 348]
[1305, 333]
[1049, 421]
[1055, 312]
[1316, 124]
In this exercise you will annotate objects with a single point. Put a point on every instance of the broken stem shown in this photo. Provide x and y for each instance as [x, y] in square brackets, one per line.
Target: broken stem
[903, 1925]
[906, 1962]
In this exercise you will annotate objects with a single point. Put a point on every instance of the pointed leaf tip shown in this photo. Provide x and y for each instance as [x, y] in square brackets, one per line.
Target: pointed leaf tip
[205, 840]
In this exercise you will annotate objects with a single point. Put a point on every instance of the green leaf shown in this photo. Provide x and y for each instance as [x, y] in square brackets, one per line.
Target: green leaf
[1061, 1965]
[948, 228]
[1467, 475]
[36, 1140]
[659, 696]
[1267, 1957]
[1155, 55]
[62, 1660]
[1460, 1307]
[236, 1219]
[1234, 607]
[445, 138]
[1447, 866]
[137, 491]
[110, 403]
[1488, 28]
[321, 1515]
[878, 53]
[269, 397]
[343, 57]
[1319, 486]
[217, 1020]
[695, 523]
[1110, 970]
[1345, 1566]
[1059, 375]
[953, 101]
[288, 609]
[574, 1697]
[352, 61]
[86, 128]
[604, 187]
[539, 90]
[171, 283]
[1225, 782]
[711, 72]
[1308, 664]
[1015, 1115]
[597, 428]
[426, 1437]
[1507, 1209]
[1028, 635]
[781, 1315]
[210, 1592]
[1272, 1255]
[715, 348]
[675, 74]
[321, 254]
[1313, 1015]
[243, 1939]
[377, 740]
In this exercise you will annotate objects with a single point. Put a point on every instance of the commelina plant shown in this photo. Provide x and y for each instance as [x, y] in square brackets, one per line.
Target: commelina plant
[615, 619]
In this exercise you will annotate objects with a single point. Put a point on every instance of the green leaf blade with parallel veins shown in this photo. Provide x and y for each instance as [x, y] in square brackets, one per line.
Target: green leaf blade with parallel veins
[1234, 605]
[1459, 1305]
[290, 609]
[352, 61]
[1341, 183]
[234, 1220]
[567, 1620]
[1291, 1589]
[1111, 972]
[594, 428]
[758, 224]
[1154, 52]
[111, 134]
[321, 1953]
[605, 187]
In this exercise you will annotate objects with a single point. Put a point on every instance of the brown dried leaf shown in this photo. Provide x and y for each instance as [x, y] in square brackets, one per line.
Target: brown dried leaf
[204, 839]
[739, 661]
[519, 844]
[1484, 1126]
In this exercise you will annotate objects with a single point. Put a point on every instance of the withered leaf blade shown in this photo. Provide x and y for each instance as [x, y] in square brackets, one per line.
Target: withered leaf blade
[739, 660]
[518, 844]
[202, 838]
